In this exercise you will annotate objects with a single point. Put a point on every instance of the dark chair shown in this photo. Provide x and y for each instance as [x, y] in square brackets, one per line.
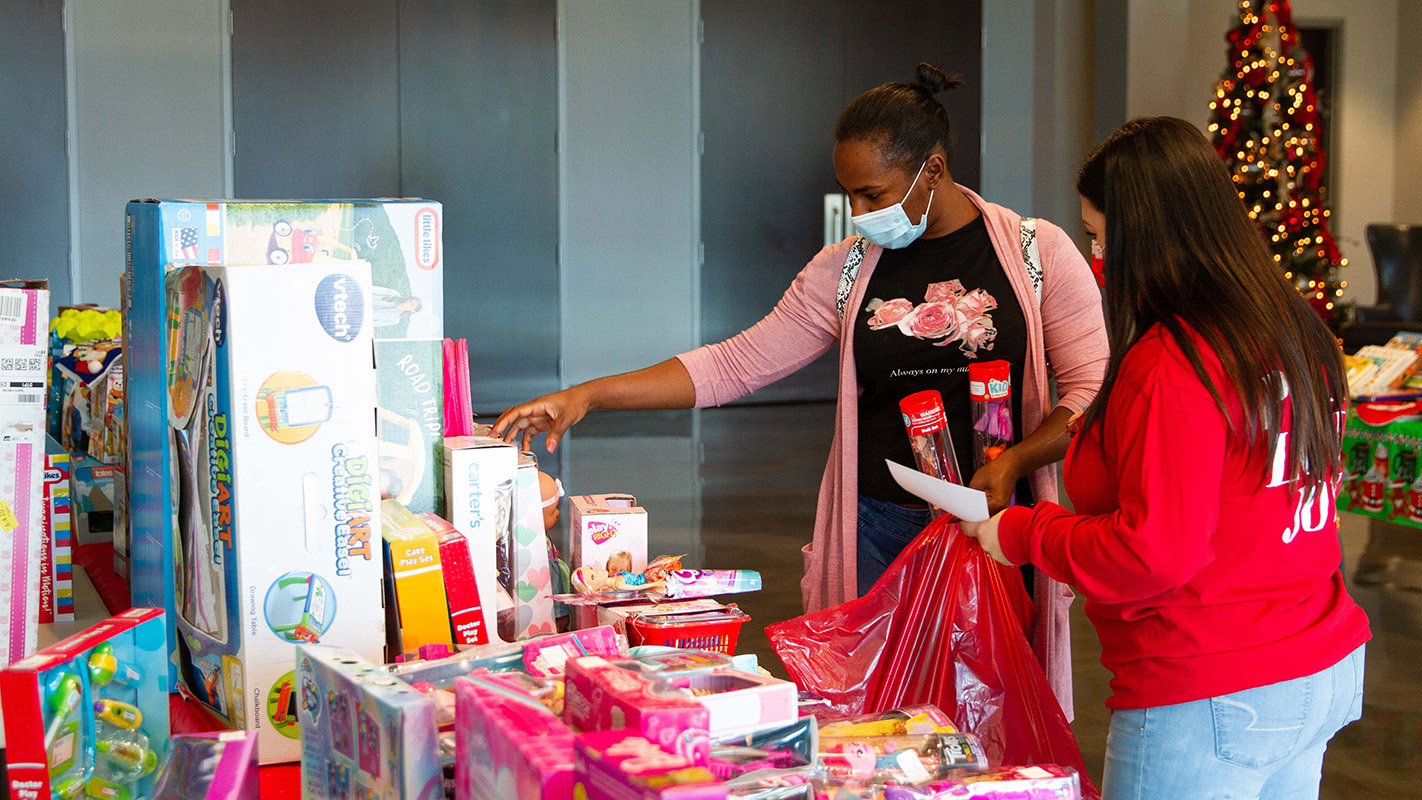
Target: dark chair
[1397, 260]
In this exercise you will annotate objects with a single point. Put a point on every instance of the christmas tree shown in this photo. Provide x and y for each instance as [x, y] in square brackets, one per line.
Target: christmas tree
[1265, 122]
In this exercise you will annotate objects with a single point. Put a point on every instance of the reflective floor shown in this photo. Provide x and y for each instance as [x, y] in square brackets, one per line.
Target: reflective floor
[736, 488]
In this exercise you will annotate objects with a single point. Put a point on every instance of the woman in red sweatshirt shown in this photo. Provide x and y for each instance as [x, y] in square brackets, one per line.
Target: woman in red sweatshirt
[1204, 476]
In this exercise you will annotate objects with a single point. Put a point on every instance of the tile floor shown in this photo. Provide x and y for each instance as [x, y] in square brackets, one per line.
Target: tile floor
[736, 487]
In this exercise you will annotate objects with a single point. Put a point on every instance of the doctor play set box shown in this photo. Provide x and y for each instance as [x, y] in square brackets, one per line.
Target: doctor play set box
[608, 531]
[364, 732]
[24, 308]
[88, 717]
[275, 461]
[399, 238]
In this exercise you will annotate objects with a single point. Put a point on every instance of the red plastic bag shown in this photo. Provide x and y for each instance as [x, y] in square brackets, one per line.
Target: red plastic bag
[943, 626]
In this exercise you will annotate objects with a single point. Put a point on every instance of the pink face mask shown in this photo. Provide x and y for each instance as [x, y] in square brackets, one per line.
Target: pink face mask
[1098, 263]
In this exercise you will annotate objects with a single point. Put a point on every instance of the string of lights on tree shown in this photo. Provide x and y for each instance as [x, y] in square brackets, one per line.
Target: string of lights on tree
[1265, 123]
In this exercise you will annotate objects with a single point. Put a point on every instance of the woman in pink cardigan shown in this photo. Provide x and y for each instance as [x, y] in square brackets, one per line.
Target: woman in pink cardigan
[910, 305]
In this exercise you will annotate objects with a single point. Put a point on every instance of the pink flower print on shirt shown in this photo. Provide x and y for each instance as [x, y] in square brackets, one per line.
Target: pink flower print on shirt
[933, 321]
[949, 314]
[888, 314]
[947, 290]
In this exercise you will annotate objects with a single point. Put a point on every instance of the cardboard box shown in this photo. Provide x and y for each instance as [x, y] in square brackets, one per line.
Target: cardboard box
[461, 592]
[529, 582]
[607, 531]
[415, 579]
[364, 732]
[480, 474]
[24, 307]
[106, 673]
[91, 496]
[272, 415]
[508, 745]
[400, 238]
[410, 423]
[56, 601]
[624, 765]
[602, 694]
[210, 766]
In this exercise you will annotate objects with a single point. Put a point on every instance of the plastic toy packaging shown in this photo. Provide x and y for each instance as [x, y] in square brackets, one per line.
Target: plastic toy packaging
[899, 721]
[88, 717]
[687, 583]
[210, 766]
[990, 389]
[927, 425]
[943, 626]
[906, 759]
[792, 746]
[1003, 783]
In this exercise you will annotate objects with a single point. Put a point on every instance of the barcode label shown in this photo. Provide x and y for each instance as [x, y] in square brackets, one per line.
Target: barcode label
[31, 398]
[12, 307]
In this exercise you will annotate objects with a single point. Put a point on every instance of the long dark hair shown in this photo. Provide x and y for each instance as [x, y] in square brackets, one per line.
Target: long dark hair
[904, 119]
[1181, 251]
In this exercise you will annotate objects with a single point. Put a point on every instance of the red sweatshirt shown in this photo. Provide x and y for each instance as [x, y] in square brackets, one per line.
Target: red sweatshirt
[1202, 570]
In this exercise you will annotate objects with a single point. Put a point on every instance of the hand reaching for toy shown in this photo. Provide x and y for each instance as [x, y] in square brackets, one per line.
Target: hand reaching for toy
[997, 478]
[553, 414]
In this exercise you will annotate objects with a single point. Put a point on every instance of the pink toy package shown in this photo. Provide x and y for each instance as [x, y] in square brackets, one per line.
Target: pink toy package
[739, 700]
[622, 765]
[508, 744]
[1046, 782]
[547, 656]
[607, 531]
[210, 766]
[602, 695]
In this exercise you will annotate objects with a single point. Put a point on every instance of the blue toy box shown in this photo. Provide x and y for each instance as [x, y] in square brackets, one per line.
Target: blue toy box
[400, 238]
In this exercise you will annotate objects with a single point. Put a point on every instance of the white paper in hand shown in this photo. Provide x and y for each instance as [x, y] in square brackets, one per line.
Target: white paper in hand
[969, 505]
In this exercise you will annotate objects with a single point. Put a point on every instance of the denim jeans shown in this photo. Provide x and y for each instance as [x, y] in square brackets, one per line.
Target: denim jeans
[885, 529]
[1258, 744]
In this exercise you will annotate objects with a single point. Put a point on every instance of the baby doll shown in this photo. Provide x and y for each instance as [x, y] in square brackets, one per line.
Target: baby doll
[552, 491]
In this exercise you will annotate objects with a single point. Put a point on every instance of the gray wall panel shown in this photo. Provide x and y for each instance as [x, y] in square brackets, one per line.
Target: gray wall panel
[34, 178]
[479, 111]
[629, 172]
[314, 98]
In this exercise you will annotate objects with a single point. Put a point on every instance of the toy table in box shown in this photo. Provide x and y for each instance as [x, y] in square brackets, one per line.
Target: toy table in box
[399, 238]
[89, 715]
[272, 413]
[1380, 453]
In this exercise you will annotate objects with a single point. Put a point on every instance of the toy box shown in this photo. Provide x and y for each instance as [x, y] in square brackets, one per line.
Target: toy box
[623, 765]
[1380, 453]
[509, 745]
[399, 238]
[738, 701]
[480, 475]
[273, 425]
[547, 656]
[466, 616]
[410, 422]
[1004, 783]
[364, 734]
[608, 531]
[122, 551]
[415, 581]
[91, 496]
[210, 766]
[89, 715]
[602, 695]
[527, 579]
[56, 581]
[24, 305]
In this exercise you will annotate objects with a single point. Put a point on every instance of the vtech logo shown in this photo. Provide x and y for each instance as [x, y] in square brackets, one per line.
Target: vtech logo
[427, 238]
[602, 532]
[340, 306]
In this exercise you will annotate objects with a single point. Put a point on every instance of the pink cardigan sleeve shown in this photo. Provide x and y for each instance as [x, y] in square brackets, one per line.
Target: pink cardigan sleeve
[802, 327]
[1072, 325]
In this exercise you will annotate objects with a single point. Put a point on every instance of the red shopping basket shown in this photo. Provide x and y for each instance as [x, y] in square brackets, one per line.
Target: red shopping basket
[715, 630]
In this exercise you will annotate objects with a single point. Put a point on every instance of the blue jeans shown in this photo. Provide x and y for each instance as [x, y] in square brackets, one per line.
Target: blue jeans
[1258, 744]
[885, 529]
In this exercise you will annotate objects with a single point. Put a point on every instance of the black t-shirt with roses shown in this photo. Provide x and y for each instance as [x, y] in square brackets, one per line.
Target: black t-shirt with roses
[931, 309]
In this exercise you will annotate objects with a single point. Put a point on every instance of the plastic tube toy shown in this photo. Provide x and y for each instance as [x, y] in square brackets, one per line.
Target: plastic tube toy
[118, 714]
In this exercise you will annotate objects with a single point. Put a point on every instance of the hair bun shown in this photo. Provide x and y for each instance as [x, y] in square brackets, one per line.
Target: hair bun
[934, 80]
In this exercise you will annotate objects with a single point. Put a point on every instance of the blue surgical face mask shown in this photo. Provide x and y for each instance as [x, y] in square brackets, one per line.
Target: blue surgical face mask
[890, 227]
